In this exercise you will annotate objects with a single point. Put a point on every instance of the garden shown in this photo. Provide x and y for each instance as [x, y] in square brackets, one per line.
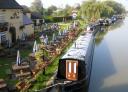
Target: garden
[46, 57]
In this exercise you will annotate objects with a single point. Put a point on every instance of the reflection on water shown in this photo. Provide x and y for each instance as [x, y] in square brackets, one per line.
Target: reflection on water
[110, 64]
[100, 36]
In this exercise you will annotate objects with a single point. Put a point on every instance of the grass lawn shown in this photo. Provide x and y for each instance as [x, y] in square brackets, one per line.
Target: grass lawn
[42, 79]
[6, 64]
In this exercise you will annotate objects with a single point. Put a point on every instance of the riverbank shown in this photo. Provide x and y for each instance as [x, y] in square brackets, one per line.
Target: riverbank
[43, 80]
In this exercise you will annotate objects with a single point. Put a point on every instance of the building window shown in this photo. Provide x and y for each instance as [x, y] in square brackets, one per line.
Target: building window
[2, 38]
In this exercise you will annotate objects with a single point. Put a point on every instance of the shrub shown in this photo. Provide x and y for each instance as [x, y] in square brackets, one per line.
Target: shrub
[38, 55]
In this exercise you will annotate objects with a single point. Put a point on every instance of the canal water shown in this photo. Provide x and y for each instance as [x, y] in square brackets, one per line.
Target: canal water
[110, 64]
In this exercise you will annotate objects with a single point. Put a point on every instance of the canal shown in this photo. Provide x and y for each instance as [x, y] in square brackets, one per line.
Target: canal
[110, 63]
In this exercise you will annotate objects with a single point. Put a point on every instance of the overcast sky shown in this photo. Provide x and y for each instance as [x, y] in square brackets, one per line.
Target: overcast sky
[62, 3]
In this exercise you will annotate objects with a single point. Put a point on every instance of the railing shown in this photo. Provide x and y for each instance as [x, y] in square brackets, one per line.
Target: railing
[2, 17]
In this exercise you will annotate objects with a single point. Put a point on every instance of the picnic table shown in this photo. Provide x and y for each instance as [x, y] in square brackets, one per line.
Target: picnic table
[22, 71]
[19, 67]
[23, 74]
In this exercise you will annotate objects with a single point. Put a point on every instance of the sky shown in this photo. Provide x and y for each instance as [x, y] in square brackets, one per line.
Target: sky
[62, 3]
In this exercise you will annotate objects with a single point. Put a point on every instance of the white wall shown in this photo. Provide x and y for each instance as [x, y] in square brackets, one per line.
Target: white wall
[16, 22]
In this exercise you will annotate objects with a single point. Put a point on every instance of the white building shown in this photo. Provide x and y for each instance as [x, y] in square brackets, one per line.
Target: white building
[13, 23]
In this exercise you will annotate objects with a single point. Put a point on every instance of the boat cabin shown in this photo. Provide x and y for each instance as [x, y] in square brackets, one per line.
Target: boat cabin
[73, 65]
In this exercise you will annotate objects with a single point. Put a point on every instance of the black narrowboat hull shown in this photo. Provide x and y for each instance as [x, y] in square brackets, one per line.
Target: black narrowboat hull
[79, 85]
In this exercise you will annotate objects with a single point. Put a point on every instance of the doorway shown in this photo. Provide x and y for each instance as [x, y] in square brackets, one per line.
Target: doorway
[72, 70]
[12, 30]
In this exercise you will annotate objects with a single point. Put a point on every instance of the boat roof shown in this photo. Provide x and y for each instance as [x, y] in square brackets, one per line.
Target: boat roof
[79, 49]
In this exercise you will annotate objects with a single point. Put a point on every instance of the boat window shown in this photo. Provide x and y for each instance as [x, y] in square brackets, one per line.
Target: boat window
[69, 67]
[74, 67]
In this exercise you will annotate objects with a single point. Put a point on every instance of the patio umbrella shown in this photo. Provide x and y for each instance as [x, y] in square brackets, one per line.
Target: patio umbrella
[88, 28]
[23, 36]
[46, 40]
[42, 38]
[18, 60]
[65, 31]
[9, 43]
[59, 33]
[35, 47]
[53, 37]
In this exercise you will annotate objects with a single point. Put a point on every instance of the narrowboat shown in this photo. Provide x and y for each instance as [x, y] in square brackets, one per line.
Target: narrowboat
[74, 69]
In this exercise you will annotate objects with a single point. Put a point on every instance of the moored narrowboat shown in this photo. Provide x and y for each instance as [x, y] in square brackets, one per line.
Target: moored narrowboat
[74, 68]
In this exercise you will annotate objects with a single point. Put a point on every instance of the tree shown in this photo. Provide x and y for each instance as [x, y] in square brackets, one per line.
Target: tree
[37, 6]
[77, 6]
[117, 7]
[93, 10]
[107, 11]
[50, 10]
[67, 11]
[25, 9]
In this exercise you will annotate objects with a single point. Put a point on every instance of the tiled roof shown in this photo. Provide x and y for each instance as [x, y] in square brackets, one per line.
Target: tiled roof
[9, 4]
[36, 15]
[26, 20]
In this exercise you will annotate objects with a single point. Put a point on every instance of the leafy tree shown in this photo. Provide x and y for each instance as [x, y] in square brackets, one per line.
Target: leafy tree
[67, 11]
[107, 11]
[50, 10]
[93, 10]
[25, 9]
[63, 12]
[117, 7]
[37, 6]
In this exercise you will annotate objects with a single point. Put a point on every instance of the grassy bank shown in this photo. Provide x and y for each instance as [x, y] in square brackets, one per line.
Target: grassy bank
[42, 79]
[6, 66]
